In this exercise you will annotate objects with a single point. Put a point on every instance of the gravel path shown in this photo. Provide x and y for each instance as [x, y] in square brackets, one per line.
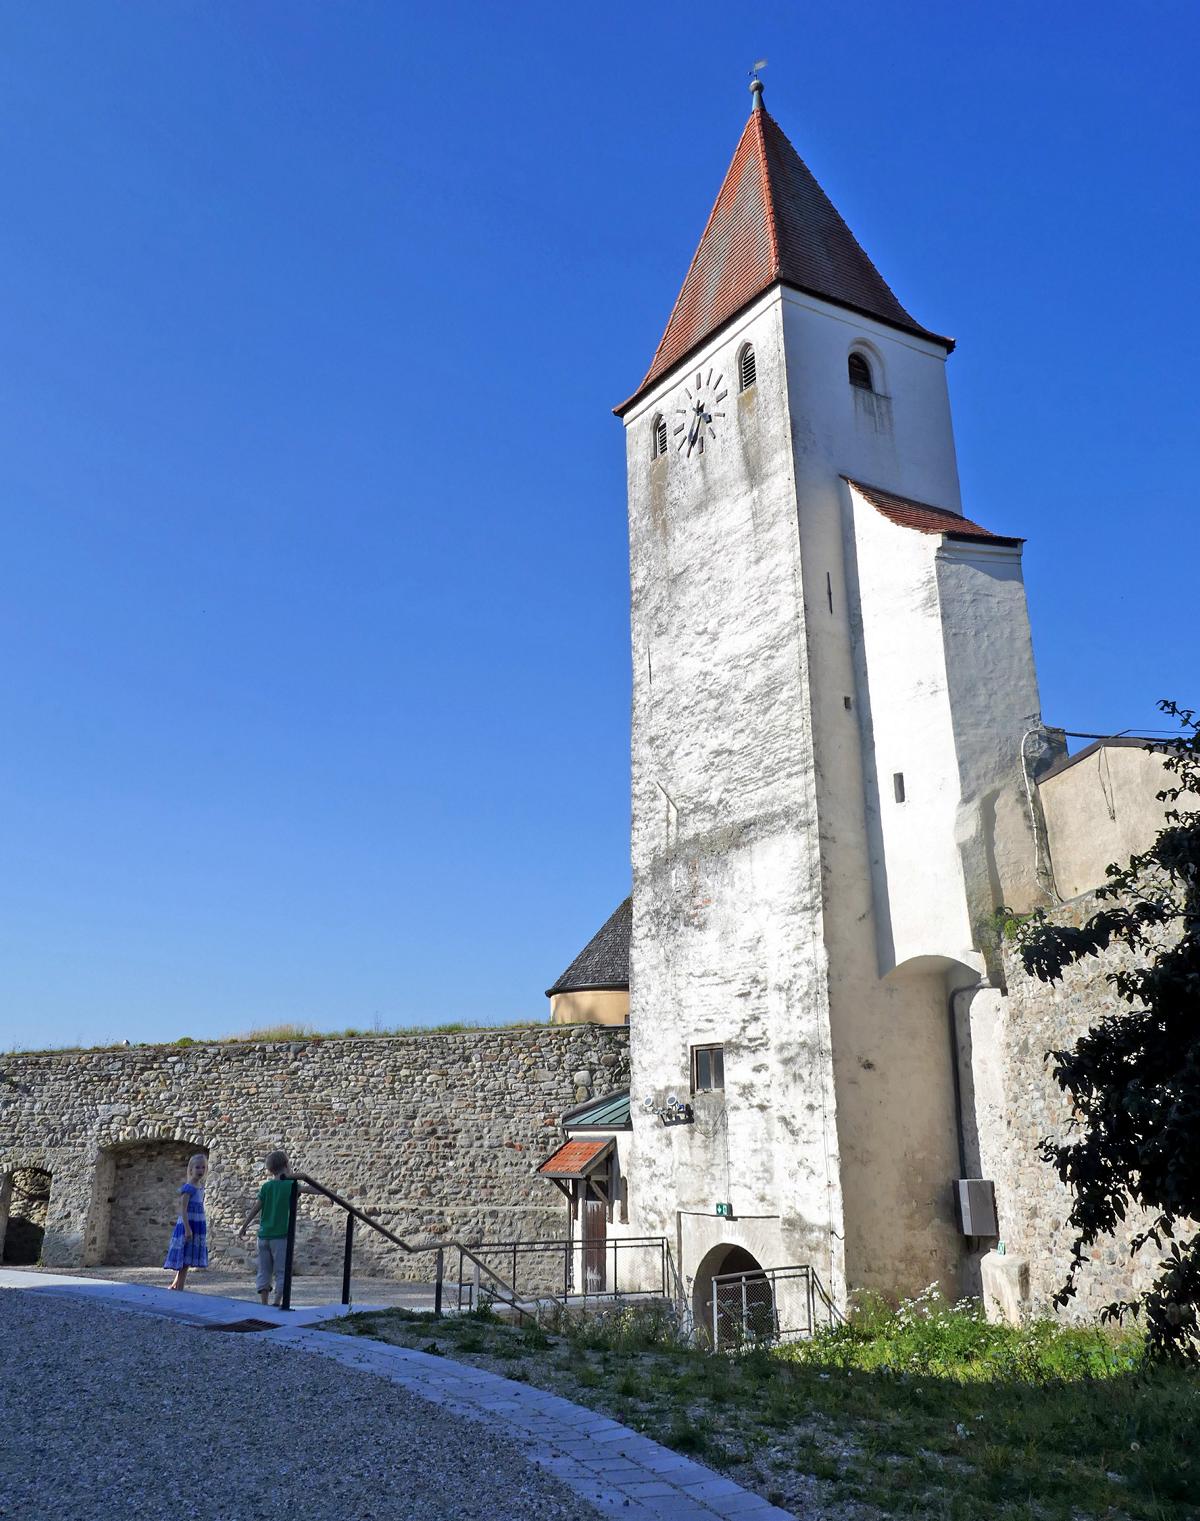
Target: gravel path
[106, 1416]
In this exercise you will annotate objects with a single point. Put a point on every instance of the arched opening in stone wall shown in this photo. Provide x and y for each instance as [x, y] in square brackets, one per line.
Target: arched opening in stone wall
[745, 1305]
[138, 1186]
[27, 1192]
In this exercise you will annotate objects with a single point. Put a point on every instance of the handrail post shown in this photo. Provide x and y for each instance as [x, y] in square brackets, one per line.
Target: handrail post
[716, 1332]
[293, 1202]
[347, 1259]
[745, 1311]
[439, 1272]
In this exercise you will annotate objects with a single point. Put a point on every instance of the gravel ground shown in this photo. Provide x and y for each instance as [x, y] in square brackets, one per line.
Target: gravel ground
[106, 1416]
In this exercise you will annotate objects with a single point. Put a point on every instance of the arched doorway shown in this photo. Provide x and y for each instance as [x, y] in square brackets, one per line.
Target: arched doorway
[28, 1197]
[138, 1183]
[745, 1305]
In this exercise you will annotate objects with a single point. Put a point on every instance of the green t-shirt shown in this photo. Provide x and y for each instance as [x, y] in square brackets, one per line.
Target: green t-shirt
[274, 1197]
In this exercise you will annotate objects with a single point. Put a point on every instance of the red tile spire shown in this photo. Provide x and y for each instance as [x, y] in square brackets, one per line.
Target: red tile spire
[772, 223]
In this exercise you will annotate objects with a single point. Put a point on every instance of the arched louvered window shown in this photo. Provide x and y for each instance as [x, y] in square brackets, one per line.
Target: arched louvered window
[860, 373]
[747, 371]
[659, 443]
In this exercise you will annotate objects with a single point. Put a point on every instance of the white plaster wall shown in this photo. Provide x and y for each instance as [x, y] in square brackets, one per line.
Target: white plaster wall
[891, 1047]
[727, 934]
[993, 702]
[756, 910]
[1101, 809]
[906, 720]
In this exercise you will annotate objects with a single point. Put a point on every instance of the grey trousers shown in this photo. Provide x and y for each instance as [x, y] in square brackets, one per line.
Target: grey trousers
[272, 1261]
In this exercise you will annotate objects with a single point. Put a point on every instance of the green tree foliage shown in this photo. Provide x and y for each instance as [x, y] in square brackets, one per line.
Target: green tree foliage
[1134, 1079]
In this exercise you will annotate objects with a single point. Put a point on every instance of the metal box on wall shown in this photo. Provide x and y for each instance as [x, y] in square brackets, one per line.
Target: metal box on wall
[975, 1206]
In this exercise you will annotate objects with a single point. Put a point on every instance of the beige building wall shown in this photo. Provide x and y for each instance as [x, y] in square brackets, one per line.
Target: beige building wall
[590, 1006]
[1099, 808]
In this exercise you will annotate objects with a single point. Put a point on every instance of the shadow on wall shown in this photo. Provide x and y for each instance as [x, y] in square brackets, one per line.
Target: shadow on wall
[24, 1202]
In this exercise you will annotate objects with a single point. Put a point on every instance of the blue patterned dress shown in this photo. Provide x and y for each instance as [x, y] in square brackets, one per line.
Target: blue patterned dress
[193, 1253]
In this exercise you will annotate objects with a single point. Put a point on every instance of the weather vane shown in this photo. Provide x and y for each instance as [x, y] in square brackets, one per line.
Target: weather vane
[754, 72]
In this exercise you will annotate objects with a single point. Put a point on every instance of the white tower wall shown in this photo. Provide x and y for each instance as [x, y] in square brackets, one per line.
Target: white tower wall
[727, 927]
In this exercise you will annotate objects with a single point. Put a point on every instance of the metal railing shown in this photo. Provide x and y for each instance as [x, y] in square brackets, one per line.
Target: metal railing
[635, 1267]
[768, 1304]
[352, 1214]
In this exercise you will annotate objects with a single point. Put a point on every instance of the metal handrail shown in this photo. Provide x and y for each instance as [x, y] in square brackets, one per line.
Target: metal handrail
[353, 1213]
[508, 1294]
[302, 1177]
[567, 1247]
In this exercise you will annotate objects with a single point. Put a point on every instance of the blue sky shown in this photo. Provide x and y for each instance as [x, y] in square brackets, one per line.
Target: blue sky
[314, 690]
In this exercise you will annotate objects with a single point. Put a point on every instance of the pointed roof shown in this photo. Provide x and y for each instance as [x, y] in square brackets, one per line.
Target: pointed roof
[604, 960]
[772, 223]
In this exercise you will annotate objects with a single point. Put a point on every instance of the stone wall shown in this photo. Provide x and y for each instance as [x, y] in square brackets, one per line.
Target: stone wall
[1032, 1204]
[437, 1135]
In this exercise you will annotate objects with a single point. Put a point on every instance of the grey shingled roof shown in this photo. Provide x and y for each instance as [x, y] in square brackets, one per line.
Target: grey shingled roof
[604, 960]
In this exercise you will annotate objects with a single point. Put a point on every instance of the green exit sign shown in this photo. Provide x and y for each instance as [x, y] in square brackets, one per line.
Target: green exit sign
[725, 1211]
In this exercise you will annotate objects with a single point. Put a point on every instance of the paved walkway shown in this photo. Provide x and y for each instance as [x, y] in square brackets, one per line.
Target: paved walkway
[617, 1470]
[307, 1288]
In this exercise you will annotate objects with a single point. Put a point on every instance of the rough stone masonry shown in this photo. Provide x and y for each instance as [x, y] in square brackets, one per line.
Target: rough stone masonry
[437, 1135]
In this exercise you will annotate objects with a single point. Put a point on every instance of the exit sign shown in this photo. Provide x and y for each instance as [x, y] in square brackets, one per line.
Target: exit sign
[725, 1211]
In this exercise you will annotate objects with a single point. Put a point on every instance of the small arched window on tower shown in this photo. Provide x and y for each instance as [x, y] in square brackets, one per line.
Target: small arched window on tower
[747, 371]
[860, 373]
[659, 442]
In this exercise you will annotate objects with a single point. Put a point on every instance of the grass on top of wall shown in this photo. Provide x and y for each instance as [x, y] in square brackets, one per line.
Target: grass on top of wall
[923, 1410]
[281, 1033]
[290, 1032]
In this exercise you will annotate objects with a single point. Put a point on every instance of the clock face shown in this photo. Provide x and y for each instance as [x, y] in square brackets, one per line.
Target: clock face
[700, 413]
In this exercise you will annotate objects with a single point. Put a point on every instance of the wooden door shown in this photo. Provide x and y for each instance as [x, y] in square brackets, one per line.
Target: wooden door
[595, 1230]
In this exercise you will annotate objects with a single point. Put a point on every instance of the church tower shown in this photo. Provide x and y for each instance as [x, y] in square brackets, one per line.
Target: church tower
[833, 695]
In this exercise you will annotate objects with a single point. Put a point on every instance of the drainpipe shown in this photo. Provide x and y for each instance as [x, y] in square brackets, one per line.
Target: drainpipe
[955, 1059]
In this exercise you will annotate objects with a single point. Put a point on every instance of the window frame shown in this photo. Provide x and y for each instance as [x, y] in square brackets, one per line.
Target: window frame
[857, 357]
[706, 1051]
[658, 437]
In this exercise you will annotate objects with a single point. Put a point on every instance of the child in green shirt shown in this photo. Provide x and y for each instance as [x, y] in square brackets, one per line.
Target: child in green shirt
[274, 1203]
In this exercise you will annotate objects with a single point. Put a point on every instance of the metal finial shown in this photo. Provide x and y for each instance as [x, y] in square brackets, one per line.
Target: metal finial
[756, 88]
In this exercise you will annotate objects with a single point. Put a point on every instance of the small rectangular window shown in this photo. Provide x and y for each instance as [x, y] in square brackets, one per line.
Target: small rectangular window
[708, 1068]
[898, 785]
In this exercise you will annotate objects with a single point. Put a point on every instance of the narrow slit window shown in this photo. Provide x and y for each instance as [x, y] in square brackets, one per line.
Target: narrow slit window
[860, 373]
[659, 445]
[708, 1069]
[747, 369]
[898, 785]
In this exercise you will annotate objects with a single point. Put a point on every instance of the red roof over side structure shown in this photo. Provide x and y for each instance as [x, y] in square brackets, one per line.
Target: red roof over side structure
[772, 223]
[924, 518]
[574, 1160]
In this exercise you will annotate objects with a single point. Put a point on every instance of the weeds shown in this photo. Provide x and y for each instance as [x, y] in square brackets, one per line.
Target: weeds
[925, 1409]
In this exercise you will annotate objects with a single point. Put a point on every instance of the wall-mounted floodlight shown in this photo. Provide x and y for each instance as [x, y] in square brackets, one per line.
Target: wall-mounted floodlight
[673, 1112]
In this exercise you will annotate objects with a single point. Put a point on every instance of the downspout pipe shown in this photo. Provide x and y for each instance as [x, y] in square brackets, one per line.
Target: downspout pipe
[956, 1073]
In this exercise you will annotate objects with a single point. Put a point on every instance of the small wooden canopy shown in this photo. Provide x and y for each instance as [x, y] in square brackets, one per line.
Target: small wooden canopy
[576, 1159]
[580, 1162]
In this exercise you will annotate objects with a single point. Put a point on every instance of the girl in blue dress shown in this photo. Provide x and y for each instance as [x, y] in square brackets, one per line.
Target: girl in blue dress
[189, 1239]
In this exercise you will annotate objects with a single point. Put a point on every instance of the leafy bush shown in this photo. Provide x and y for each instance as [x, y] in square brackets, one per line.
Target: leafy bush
[929, 1335]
